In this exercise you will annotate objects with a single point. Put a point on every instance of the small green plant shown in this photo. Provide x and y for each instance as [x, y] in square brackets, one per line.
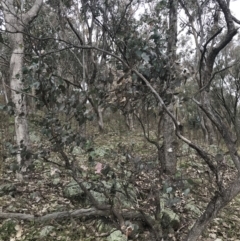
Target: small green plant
[7, 229]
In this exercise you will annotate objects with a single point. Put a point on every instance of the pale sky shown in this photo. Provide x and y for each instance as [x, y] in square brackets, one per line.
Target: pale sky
[235, 7]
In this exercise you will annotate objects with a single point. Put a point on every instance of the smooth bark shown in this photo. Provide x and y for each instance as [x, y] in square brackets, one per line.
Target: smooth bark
[15, 25]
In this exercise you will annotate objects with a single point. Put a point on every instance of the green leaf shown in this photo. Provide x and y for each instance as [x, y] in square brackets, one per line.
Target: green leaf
[155, 36]
[13, 150]
[139, 53]
[62, 88]
[169, 189]
[25, 70]
[61, 106]
[46, 231]
[187, 191]
[36, 84]
[190, 181]
[145, 57]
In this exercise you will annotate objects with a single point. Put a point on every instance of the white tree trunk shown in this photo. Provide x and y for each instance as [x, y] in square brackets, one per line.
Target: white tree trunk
[15, 24]
[19, 99]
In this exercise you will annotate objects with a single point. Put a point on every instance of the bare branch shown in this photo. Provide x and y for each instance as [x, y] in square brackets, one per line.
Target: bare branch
[19, 91]
[33, 12]
[236, 20]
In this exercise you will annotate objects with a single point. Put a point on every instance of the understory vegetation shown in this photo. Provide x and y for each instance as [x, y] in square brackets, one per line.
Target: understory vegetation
[120, 168]
[119, 120]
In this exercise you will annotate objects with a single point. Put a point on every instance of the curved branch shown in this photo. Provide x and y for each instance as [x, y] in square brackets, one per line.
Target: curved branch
[205, 50]
[75, 31]
[219, 201]
[235, 20]
[231, 32]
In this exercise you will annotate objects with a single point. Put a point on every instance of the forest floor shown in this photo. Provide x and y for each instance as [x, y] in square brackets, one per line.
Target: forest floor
[41, 191]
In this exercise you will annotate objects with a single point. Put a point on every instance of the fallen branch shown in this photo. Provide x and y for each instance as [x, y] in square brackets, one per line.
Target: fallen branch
[79, 213]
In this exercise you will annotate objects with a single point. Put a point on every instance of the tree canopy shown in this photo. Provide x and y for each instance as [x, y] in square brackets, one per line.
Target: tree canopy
[119, 119]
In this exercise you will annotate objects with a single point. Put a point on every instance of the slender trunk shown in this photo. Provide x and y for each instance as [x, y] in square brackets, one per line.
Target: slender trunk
[169, 161]
[210, 136]
[129, 121]
[5, 89]
[100, 118]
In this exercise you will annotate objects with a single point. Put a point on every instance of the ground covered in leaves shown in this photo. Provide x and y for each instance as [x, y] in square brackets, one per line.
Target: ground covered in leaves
[42, 191]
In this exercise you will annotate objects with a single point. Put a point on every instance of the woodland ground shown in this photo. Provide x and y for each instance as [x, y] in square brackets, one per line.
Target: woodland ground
[42, 192]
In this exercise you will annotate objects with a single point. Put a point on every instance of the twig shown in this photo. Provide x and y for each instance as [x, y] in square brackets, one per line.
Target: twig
[33, 96]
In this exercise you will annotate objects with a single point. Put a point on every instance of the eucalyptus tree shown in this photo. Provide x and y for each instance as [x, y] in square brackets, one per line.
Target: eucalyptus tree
[210, 41]
[169, 138]
[17, 19]
[77, 46]
[91, 23]
[204, 23]
[225, 86]
[140, 43]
